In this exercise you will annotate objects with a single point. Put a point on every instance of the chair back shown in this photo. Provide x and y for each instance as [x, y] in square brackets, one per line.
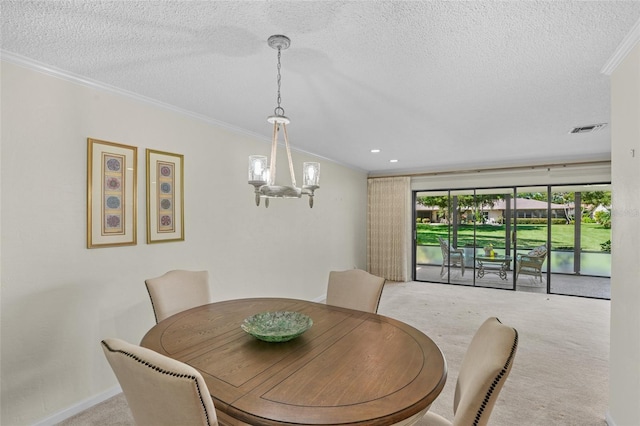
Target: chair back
[447, 250]
[177, 291]
[484, 369]
[355, 289]
[540, 252]
[159, 390]
[444, 246]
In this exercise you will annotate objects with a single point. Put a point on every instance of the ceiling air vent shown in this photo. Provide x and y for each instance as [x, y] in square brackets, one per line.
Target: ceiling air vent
[588, 129]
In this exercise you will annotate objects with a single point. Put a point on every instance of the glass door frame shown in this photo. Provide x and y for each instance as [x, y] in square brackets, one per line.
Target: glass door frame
[457, 217]
[511, 234]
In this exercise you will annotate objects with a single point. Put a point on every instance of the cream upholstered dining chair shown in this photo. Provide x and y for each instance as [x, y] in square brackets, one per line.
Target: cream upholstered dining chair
[355, 289]
[159, 390]
[177, 291]
[484, 369]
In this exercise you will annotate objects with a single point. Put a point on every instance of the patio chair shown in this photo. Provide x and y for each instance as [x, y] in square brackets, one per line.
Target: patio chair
[450, 257]
[531, 263]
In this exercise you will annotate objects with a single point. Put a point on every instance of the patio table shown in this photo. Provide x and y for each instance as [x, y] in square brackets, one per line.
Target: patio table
[496, 264]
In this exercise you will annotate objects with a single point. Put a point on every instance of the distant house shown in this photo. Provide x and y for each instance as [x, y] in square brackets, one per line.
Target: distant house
[527, 208]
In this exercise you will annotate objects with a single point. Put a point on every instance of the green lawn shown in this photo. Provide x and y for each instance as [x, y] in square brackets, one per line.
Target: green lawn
[529, 236]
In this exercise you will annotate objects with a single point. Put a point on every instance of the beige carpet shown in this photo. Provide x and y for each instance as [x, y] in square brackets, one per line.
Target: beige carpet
[560, 373]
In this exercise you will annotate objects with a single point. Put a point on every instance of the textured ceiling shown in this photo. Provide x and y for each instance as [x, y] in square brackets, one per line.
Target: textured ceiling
[437, 85]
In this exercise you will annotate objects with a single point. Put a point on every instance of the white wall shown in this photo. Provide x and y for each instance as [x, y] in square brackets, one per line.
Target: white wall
[624, 382]
[59, 299]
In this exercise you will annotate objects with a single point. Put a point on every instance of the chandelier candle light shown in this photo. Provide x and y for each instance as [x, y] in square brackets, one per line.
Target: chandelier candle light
[263, 176]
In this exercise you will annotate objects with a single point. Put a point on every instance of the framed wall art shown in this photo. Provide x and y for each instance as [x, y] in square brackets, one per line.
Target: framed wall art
[111, 194]
[165, 204]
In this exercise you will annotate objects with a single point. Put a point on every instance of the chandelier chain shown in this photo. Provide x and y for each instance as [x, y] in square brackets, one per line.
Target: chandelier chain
[279, 110]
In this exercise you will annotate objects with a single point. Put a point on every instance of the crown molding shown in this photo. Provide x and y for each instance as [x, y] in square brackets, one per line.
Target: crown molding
[623, 50]
[32, 64]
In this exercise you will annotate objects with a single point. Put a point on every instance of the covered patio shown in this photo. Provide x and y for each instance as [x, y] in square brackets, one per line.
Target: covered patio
[565, 284]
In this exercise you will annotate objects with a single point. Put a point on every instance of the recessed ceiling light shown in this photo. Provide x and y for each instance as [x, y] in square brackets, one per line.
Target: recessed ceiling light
[375, 151]
[393, 161]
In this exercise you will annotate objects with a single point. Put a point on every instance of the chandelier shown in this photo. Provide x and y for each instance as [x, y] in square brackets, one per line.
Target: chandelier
[263, 176]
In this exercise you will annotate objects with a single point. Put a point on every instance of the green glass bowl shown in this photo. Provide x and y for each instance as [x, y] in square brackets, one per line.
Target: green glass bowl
[279, 326]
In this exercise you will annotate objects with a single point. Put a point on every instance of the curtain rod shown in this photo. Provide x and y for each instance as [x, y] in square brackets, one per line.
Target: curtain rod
[497, 169]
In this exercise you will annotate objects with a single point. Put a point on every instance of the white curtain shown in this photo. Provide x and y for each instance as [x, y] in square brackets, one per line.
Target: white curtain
[389, 214]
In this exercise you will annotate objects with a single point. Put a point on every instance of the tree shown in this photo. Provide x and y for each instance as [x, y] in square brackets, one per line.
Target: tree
[442, 202]
[539, 196]
[464, 202]
[593, 199]
[603, 217]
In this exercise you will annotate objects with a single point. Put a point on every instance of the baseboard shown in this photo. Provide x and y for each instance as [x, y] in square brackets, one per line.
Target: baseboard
[320, 299]
[95, 400]
[79, 407]
[608, 419]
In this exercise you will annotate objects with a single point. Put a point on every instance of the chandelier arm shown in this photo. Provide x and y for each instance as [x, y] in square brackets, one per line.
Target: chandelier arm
[274, 153]
[286, 143]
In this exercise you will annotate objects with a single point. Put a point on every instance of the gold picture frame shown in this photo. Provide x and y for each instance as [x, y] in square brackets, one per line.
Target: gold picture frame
[165, 201]
[111, 194]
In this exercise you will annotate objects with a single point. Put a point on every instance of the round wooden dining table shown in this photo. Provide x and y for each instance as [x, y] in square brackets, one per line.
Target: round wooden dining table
[350, 368]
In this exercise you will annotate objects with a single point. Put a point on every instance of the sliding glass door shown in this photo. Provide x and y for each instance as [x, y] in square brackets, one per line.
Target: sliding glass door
[581, 244]
[435, 236]
[531, 226]
[464, 237]
[493, 238]
[547, 239]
